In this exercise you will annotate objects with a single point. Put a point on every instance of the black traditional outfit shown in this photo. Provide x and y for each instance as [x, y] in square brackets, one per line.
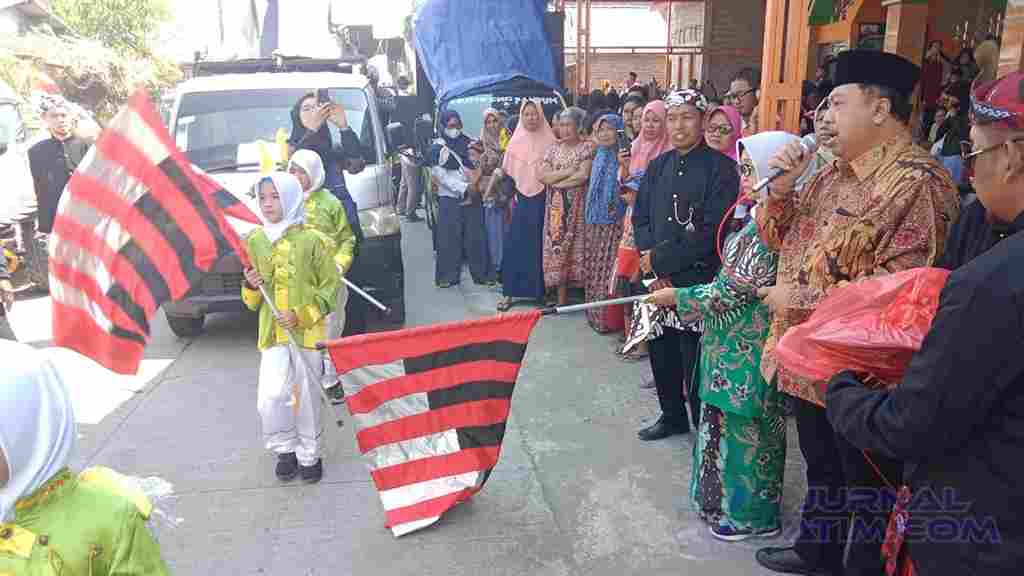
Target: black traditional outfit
[682, 199]
[957, 417]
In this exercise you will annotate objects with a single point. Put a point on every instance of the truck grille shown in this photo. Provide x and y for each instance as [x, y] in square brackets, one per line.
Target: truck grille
[222, 284]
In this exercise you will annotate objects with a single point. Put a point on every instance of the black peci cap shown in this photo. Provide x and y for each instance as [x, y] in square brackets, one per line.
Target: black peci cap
[877, 68]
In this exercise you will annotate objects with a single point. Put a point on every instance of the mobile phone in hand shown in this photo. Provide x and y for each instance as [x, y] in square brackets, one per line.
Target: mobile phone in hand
[624, 143]
[322, 97]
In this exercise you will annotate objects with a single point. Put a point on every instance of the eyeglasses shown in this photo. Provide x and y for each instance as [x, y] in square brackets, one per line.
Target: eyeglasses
[307, 109]
[721, 130]
[746, 170]
[730, 97]
[968, 153]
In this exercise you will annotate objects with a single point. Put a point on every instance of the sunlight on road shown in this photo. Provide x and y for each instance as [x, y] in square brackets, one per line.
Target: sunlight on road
[96, 391]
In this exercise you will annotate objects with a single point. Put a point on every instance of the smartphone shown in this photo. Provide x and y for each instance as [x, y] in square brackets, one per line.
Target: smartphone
[623, 138]
[322, 96]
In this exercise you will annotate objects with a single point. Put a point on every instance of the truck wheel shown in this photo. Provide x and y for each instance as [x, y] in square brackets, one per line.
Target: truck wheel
[185, 326]
[37, 263]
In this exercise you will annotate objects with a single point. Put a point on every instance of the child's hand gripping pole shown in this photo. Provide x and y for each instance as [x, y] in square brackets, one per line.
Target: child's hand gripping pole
[310, 370]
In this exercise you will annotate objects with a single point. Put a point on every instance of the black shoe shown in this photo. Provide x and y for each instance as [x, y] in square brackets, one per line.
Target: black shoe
[662, 429]
[787, 561]
[336, 393]
[287, 467]
[312, 474]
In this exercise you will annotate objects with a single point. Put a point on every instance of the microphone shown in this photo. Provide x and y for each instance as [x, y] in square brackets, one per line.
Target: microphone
[810, 145]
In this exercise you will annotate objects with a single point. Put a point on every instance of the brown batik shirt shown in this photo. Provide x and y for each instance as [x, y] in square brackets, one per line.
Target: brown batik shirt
[886, 211]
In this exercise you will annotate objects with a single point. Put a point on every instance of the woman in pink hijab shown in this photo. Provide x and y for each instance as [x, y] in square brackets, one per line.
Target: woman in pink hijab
[522, 271]
[653, 141]
[722, 129]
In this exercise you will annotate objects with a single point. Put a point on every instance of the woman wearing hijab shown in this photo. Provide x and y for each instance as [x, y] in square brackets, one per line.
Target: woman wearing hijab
[652, 140]
[90, 523]
[740, 452]
[494, 199]
[522, 272]
[310, 132]
[603, 215]
[565, 172]
[460, 220]
[722, 129]
[296, 265]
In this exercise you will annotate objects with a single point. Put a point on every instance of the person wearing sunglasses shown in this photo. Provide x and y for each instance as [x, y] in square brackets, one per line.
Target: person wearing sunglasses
[744, 91]
[956, 416]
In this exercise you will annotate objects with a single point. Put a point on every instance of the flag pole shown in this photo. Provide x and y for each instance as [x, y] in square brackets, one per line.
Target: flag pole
[367, 297]
[310, 370]
[556, 310]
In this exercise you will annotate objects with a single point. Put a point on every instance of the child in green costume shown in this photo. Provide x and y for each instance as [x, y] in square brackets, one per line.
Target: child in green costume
[51, 520]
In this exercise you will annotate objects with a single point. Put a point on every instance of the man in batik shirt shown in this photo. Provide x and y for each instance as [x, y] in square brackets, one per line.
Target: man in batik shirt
[883, 206]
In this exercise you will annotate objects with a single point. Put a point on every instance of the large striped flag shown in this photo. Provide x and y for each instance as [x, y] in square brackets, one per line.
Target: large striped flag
[136, 227]
[430, 406]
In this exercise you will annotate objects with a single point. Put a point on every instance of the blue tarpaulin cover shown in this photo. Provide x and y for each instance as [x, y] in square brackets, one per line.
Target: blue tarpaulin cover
[468, 44]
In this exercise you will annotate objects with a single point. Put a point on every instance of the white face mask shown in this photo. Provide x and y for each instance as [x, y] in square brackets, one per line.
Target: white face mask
[452, 133]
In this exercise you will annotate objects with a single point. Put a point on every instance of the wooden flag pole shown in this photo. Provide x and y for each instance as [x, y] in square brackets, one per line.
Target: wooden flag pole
[310, 370]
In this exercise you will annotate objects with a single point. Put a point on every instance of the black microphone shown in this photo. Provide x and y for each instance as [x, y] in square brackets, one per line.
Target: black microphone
[810, 145]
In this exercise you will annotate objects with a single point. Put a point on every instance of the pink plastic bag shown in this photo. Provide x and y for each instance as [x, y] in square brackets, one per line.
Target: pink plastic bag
[872, 327]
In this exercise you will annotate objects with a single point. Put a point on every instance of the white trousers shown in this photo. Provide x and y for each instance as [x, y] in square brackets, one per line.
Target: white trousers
[288, 404]
[335, 328]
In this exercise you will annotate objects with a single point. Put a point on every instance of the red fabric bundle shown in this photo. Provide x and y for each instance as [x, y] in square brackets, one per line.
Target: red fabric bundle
[872, 327]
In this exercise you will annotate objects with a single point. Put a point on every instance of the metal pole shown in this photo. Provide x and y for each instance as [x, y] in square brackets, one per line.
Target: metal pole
[668, 50]
[310, 370]
[590, 305]
[368, 298]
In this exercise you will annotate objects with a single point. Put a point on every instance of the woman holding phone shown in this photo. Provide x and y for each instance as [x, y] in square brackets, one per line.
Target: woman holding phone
[310, 131]
[605, 209]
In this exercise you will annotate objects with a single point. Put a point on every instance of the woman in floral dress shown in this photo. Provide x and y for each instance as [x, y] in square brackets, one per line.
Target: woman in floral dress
[604, 211]
[566, 172]
[740, 452]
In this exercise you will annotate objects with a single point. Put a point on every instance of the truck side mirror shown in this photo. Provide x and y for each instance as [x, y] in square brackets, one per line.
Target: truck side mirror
[397, 136]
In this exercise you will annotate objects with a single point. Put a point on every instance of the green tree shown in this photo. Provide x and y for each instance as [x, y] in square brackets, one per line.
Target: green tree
[128, 26]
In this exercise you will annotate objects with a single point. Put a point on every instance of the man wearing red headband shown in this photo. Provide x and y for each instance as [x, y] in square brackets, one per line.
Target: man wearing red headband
[957, 418]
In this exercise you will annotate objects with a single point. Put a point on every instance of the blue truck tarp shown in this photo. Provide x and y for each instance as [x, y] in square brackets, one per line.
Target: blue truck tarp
[464, 45]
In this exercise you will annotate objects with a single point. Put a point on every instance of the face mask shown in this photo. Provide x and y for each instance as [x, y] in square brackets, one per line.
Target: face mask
[452, 133]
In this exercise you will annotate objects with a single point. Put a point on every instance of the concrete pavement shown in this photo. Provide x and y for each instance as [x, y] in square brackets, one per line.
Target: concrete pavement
[575, 491]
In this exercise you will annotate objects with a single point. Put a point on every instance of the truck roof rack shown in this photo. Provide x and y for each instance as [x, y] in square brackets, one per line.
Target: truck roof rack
[276, 63]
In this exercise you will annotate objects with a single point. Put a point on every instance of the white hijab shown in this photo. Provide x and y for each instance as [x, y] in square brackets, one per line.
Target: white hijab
[292, 204]
[37, 422]
[312, 165]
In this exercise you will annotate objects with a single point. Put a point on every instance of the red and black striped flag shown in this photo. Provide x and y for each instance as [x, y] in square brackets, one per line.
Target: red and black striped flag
[430, 406]
[137, 226]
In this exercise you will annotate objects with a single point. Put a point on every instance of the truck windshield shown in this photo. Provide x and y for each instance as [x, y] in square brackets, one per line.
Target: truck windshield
[471, 108]
[223, 128]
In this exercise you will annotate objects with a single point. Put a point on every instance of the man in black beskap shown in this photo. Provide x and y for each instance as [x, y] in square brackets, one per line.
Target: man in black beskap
[52, 161]
[683, 197]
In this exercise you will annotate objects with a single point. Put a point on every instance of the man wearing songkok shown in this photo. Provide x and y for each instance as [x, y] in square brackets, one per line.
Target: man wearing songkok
[883, 206]
[957, 417]
[683, 197]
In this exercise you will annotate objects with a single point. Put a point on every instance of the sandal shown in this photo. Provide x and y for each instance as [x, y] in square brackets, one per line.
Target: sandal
[632, 356]
[504, 304]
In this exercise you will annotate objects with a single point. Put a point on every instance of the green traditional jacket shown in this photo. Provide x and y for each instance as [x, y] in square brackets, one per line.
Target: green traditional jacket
[326, 214]
[301, 275]
[90, 525]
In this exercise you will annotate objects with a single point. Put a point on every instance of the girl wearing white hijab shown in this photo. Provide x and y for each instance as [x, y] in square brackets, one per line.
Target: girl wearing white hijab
[740, 450]
[326, 214]
[91, 523]
[296, 267]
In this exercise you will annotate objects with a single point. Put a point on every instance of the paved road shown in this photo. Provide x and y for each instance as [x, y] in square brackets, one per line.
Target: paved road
[575, 491]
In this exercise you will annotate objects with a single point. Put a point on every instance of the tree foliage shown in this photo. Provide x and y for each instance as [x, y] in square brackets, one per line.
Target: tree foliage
[127, 26]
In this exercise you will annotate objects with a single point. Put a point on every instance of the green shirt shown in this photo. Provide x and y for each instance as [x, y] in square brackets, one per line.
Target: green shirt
[92, 524]
[326, 214]
[301, 276]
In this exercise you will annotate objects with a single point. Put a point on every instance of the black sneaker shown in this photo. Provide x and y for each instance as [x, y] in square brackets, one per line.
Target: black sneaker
[287, 467]
[312, 474]
[336, 393]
